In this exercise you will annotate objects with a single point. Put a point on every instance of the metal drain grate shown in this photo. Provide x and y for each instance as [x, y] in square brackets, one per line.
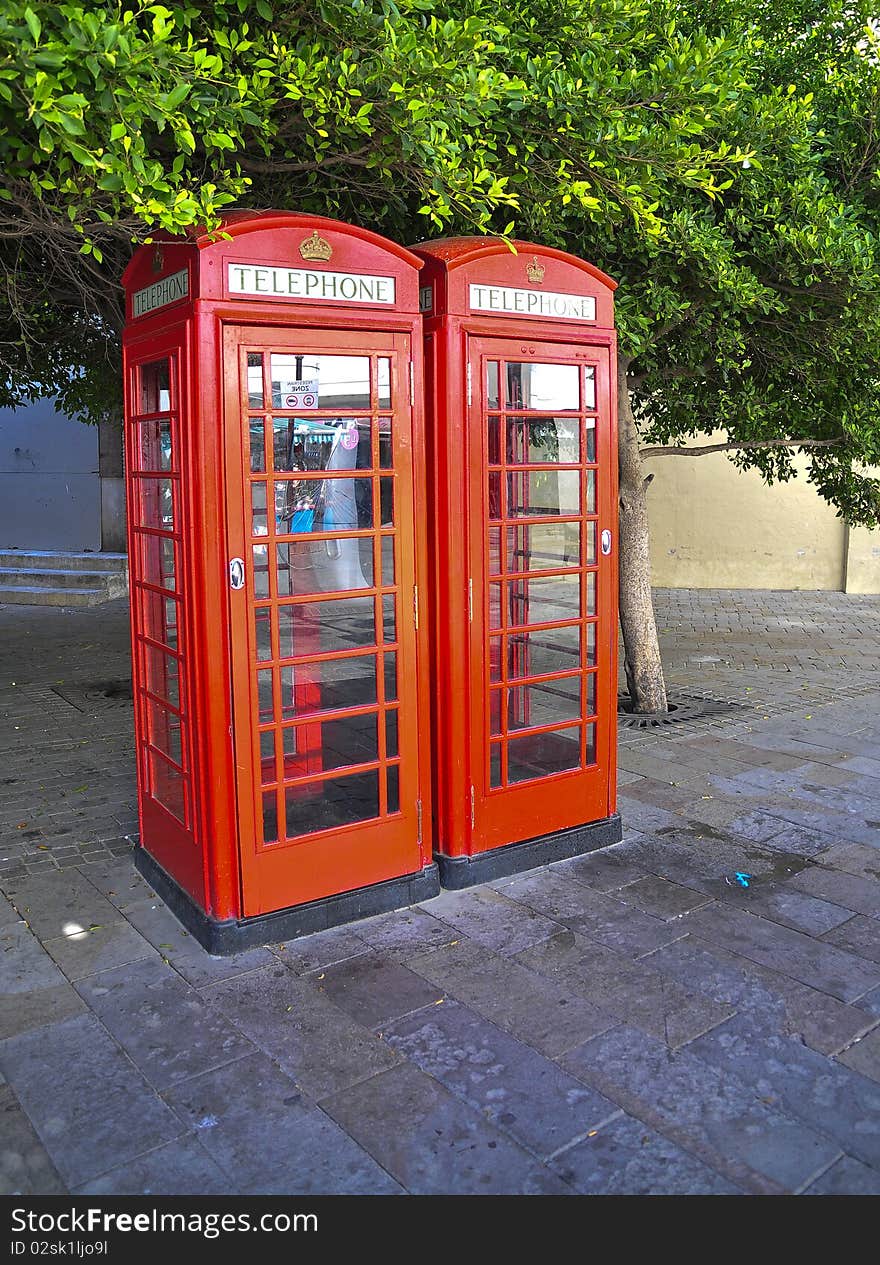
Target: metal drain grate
[95, 696]
[682, 708]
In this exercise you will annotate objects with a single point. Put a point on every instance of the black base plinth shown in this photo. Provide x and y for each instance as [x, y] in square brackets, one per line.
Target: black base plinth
[514, 858]
[223, 938]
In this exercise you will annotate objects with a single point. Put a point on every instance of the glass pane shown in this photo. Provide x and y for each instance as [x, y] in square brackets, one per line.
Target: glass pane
[536, 755]
[155, 387]
[391, 747]
[267, 757]
[393, 775]
[155, 503]
[332, 803]
[389, 620]
[543, 546]
[495, 764]
[544, 703]
[270, 817]
[326, 627]
[330, 744]
[386, 499]
[492, 400]
[159, 615]
[260, 519]
[539, 492]
[496, 562]
[164, 731]
[261, 570]
[263, 627]
[167, 786]
[590, 537]
[328, 685]
[591, 693]
[333, 443]
[543, 600]
[551, 650]
[543, 387]
[265, 697]
[493, 426]
[258, 445]
[156, 444]
[313, 381]
[543, 439]
[591, 744]
[157, 554]
[304, 505]
[391, 678]
[590, 438]
[591, 592]
[384, 382]
[386, 454]
[255, 379]
[494, 495]
[495, 697]
[589, 387]
[325, 566]
[387, 548]
[590, 476]
[495, 653]
[591, 645]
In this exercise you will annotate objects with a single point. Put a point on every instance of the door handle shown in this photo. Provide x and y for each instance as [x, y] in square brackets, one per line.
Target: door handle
[236, 573]
[606, 542]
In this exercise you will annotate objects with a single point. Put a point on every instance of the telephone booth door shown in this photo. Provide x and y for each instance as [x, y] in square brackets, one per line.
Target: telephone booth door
[542, 602]
[325, 708]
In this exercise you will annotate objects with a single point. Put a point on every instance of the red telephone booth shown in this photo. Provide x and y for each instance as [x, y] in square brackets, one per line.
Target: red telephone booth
[520, 382]
[275, 456]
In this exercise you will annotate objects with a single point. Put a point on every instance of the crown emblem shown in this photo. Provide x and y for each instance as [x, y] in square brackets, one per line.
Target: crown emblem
[315, 247]
[535, 271]
[158, 261]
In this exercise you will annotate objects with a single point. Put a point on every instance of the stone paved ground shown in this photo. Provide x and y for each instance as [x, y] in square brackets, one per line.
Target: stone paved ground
[633, 1021]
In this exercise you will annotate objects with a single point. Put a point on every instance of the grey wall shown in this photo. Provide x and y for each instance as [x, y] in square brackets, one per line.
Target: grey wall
[50, 490]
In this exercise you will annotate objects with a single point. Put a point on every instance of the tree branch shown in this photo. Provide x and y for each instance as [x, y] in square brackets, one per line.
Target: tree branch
[681, 451]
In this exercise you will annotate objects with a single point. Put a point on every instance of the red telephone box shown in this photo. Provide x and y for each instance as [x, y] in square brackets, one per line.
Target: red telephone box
[275, 458]
[520, 382]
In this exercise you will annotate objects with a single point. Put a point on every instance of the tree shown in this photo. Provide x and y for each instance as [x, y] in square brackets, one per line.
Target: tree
[723, 172]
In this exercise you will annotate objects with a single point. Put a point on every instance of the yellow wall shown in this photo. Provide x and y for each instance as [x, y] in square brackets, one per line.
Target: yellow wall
[714, 526]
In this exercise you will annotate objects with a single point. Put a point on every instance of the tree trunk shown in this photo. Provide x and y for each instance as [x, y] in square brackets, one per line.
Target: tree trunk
[644, 670]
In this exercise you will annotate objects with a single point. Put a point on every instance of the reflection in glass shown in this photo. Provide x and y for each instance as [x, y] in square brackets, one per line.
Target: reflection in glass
[589, 387]
[260, 570]
[386, 455]
[590, 537]
[496, 562]
[386, 499]
[167, 787]
[389, 621]
[493, 426]
[384, 382]
[156, 453]
[327, 685]
[539, 440]
[550, 650]
[393, 786]
[391, 677]
[155, 387]
[331, 443]
[591, 693]
[325, 566]
[164, 728]
[494, 494]
[313, 504]
[532, 493]
[591, 645]
[391, 747]
[542, 386]
[590, 438]
[334, 802]
[543, 600]
[260, 519]
[590, 499]
[492, 384]
[544, 703]
[387, 548]
[312, 381]
[543, 546]
[537, 755]
[270, 817]
[495, 778]
[265, 697]
[326, 627]
[258, 445]
[330, 744]
[255, 379]
[591, 592]
[263, 629]
[591, 744]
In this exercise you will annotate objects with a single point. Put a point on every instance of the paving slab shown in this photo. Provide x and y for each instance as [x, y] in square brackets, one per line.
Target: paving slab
[56, 904]
[255, 1123]
[848, 891]
[157, 924]
[864, 1055]
[164, 1026]
[846, 1177]
[86, 952]
[520, 1091]
[713, 1115]
[181, 1167]
[292, 1021]
[491, 919]
[531, 1007]
[372, 989]
[33, 991]
[25, 1166]
[835, 1101]
[626, 1157]
[101, 1112]
[860, 935]
[432, 1143]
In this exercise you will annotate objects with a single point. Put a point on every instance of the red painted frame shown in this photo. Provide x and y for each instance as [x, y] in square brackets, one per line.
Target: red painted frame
[471, 818]
[203, 854]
